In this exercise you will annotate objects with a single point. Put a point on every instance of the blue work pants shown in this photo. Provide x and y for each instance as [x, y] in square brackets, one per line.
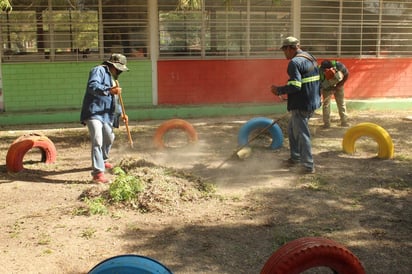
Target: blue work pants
[101, 137]
[299, 138]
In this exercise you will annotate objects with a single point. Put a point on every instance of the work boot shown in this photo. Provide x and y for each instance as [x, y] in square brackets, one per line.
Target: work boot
[289, 163]
[344, 124]
[306, 170]
[100, 178]
[326, 126]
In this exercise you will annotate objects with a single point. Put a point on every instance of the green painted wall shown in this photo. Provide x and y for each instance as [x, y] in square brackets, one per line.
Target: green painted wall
[62, 93]
[137, 114]
[60, 86]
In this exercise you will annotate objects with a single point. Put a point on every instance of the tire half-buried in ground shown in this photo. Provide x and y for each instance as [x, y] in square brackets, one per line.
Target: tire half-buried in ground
[258, 124]
[171, 124]
[19, 148]
[129, 263]
[310, 252]
[379, 134]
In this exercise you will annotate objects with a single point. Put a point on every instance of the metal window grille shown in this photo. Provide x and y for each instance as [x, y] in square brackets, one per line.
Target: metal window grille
[357, 27]
[352, 28]
[215, 28]
[67, 30]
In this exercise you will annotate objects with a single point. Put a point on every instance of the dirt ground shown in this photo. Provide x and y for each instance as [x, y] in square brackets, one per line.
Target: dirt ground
[360, 201]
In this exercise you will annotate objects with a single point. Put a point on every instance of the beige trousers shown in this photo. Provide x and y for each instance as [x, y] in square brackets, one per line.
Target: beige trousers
[339, 95]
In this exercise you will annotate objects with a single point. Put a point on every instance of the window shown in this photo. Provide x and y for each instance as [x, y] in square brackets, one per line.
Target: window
[180, 32]
[73, 30]
[59, 30]
[357, 27]
[216, 29]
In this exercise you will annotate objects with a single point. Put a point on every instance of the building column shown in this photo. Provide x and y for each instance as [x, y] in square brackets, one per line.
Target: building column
[153, 45]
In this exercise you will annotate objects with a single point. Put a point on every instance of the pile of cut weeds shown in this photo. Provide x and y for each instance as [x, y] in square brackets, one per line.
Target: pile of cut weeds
[147, 187]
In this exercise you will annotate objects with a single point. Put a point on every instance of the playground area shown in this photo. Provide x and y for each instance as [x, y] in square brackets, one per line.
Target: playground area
[252, 206]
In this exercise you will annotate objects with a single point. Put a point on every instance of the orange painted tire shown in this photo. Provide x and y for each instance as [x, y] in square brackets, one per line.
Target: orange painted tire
[19, 148]
[308, 252]
[173, 124]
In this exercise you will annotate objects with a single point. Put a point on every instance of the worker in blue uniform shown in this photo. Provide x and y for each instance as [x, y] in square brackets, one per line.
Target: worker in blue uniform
[303, 98]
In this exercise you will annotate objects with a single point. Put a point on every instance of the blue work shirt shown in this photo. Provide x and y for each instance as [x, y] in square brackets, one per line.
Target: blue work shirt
[98, 103]
[303, 87]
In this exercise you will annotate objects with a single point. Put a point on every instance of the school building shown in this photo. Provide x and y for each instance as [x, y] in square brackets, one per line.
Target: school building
[196, 58]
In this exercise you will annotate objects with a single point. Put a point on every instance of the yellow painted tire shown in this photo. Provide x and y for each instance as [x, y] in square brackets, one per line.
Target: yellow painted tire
[379, 134]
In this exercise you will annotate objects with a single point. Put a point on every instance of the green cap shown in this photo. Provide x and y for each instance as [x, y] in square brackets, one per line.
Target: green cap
[119, 61]
[290, 41]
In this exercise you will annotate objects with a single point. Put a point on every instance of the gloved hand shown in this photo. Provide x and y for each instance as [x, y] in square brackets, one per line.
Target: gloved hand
[125, 118]
[115, 90]
[275, 90]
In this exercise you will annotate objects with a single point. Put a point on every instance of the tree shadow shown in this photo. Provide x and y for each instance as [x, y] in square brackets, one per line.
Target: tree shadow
[358, 202]
[42, 176]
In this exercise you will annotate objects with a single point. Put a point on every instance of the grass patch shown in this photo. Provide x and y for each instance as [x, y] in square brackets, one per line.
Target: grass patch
[15, 230]
[96, 206]
[125, 187]
[88, 233]
[43, 239]
[315, 183]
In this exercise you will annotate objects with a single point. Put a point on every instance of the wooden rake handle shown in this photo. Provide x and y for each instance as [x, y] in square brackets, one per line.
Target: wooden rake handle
[124, 113]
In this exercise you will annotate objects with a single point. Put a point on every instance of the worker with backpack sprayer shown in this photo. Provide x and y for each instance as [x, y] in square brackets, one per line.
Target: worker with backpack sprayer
[333, 75]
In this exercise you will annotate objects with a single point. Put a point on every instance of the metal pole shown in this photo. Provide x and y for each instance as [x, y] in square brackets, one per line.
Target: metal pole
[154, 45]
[248, 45]
[101, 30]
[378, 46]
[339, 45]
[51, 31]
[1, 74]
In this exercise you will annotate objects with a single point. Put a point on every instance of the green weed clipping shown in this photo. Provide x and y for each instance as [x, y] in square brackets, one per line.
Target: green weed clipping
[145, 187]
[125, 187]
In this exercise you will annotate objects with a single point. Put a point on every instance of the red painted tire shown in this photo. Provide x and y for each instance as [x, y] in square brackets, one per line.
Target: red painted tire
[19, 148]
[173, 124]
[308, 252]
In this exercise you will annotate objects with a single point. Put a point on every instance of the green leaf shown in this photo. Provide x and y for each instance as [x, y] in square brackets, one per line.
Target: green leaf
[5, 6]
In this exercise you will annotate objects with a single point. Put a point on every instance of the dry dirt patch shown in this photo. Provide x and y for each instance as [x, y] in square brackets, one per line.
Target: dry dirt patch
[357, 200]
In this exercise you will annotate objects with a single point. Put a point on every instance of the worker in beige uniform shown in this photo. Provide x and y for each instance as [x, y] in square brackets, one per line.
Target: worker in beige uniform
[333, 75]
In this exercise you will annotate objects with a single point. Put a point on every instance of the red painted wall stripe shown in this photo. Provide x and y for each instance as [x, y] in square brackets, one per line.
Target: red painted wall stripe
[182, 82]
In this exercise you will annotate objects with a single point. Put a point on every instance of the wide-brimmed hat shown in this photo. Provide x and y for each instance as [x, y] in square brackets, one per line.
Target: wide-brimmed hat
[119, 61]
[290, 41]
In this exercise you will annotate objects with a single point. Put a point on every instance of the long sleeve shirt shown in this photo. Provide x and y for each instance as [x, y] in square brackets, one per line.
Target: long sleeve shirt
[98, 103]
[302, 87]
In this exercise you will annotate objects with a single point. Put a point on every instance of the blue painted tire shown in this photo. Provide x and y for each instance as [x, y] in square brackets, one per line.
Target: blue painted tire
[260, 123]
[130, 264]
